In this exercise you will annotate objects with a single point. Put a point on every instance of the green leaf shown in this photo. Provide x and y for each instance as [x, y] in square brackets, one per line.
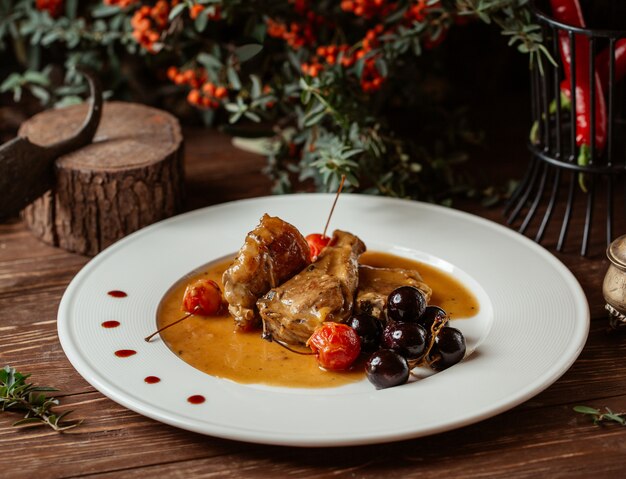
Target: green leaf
[381, 66]
[209, 61]
[615, 417]
[233, 78]
[71, 6]
[102, 10]
[17, 94]
[40, 93]
[252, 116]
[68, 101]
[177, 10]
[258, 32]
[29, 421]
[305, 97]
[13, 80]
[231, 107]
[314, 118]
[246, 52]
[586, 410]
[36, 77]
[255, 91]
[50, 37]
[201, 22]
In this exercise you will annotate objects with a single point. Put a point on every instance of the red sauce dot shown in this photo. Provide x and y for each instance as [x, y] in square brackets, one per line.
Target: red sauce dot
[124, 353]
[117, 294]
[110, 324]
[197, 399]
[152, 379]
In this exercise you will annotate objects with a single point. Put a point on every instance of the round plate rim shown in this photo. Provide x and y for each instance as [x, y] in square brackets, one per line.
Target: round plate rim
[296, 439]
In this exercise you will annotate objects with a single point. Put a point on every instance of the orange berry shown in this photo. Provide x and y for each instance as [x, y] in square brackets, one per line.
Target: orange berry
[193, 97]
[347, 5]
[221, 92]
[195, 11]
[208, 89]
[314, 70]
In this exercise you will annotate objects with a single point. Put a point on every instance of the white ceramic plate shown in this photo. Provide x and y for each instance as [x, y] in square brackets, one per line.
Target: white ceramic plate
[532, 325]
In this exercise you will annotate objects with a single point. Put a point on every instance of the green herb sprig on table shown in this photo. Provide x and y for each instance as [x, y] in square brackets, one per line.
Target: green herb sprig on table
[17, 395]
[599, 417]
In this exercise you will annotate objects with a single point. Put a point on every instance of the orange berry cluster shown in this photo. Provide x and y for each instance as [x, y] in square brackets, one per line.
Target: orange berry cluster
[203, 94]
[331, 55]
[190, 77]
[53, 7]
[213, 13]
[371, 80]
[368, 8]
[297, 35]
[417, 12]
[149, 22]
[120, 3]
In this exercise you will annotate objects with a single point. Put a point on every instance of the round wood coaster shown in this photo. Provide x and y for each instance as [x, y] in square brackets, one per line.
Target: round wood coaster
[129, 177]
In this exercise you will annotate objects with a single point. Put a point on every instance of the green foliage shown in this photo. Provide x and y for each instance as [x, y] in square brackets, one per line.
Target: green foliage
[599, 417]
[325, 123]
[17, 395]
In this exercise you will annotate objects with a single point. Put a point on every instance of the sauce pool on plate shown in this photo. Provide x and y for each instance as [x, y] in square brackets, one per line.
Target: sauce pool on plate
[211, 344]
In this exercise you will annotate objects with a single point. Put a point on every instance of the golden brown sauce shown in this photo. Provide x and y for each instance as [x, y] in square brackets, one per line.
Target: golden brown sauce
[211, 345]
[448, 292]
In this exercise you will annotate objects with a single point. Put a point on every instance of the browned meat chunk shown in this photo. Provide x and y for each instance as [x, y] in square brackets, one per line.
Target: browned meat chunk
[324, 291]
[272, 253]
[375, 284]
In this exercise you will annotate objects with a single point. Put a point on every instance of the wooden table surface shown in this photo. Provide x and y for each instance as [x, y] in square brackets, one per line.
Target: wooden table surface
[540, 438]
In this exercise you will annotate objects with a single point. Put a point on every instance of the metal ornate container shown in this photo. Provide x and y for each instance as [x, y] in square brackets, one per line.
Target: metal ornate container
[614, 287]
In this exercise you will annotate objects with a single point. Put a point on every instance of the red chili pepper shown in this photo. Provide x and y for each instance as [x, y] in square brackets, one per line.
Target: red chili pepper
[570, 13]
[603, 59]
[602, 66]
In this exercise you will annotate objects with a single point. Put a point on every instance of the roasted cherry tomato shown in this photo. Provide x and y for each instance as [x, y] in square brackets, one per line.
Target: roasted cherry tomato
[337, 345]
[317, 243]
[202, 297]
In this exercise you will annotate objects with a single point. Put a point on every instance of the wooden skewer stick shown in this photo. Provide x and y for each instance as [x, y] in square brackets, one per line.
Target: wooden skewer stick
[148, 338]
[343, 179]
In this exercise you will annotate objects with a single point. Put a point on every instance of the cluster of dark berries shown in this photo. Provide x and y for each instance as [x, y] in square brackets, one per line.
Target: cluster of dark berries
[412, 335]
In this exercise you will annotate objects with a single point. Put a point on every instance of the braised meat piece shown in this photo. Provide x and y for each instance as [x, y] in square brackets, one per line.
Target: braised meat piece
[272, 253]
[375, 284]
[324, 291]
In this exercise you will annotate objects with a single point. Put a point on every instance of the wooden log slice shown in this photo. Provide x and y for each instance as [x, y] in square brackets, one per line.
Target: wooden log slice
[129, 177]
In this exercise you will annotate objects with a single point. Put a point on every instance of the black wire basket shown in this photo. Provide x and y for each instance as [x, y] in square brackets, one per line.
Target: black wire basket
[578, 139]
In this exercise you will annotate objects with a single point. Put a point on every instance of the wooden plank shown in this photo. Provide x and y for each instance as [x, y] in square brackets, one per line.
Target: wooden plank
[530, 444]
[542, 437]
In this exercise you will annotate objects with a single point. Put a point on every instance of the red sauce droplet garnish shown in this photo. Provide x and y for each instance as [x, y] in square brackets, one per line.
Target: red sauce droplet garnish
[197, 399]
[152, 380]
[117, 294]
[110, 324]
[124, 353]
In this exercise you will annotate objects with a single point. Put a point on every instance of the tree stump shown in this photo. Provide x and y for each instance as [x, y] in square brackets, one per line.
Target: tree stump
[129, 177]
